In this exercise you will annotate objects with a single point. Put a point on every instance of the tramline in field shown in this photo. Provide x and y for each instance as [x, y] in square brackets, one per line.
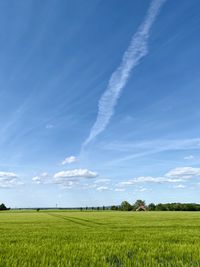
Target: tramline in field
[105, 238]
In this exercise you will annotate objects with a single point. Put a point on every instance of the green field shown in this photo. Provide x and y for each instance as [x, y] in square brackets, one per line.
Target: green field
[67, 238]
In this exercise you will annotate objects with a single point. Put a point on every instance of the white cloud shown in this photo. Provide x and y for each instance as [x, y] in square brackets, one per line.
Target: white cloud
[94, 184]
[131, 58]
[76, 173]
[130, 182]
[42, 179]
[9, 180]
[184, 172]
[120, 189]
[143, 189]
[148, 179]
[36, 180]
[176, 175]
[190, 157]
[69, 160]
[180, 186]
[71, 178]
[67, 179]
[68, 184]
[102, 188]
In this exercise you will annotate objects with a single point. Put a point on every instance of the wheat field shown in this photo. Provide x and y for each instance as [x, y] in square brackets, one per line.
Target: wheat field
[104, 238]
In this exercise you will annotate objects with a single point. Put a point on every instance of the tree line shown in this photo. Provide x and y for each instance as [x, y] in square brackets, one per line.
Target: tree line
[3, 207]
[141, 205]
[138, 205]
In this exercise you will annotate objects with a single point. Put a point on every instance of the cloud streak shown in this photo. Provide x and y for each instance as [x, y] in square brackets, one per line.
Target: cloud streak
[146, 148]
[136, 51]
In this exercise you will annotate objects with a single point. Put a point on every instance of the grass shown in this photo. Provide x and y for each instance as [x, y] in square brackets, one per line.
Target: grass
[67, 238]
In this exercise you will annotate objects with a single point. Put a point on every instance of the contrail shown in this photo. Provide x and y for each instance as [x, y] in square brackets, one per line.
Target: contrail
[131, 58]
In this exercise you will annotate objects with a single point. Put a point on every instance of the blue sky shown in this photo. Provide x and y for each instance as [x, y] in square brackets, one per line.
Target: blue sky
[99, 102]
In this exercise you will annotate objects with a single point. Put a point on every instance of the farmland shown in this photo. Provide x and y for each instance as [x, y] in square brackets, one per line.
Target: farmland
[104, 238]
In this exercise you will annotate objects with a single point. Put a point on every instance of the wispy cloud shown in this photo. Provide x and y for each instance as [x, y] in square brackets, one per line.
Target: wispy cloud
[144, 189]
[103, 188]
[180, 186]
[157, 144]
[136, 51]
[190, 157]
[146, 148]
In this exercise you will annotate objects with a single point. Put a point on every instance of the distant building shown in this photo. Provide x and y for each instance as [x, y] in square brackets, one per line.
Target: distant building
[141, 208]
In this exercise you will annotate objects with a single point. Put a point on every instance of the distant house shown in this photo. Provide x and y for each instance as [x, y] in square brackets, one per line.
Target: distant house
[141, 208]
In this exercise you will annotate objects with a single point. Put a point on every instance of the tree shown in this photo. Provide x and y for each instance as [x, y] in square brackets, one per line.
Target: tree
[151, 206]
[125, 206]
[3, 207]
[161, 207]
